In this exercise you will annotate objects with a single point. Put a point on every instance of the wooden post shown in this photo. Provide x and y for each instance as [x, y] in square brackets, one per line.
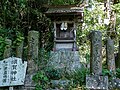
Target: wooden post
[96, 52]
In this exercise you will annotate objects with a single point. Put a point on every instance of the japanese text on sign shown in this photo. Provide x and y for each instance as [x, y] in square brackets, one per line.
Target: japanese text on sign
[12, 72]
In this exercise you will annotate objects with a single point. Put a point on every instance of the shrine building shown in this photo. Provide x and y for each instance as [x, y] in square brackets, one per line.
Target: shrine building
[65, 19]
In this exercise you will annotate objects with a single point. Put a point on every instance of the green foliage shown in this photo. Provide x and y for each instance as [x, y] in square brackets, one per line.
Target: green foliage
[78, 77]
[106, 72]
[19, 39]
[41, 80]
[2, 47]
[100, 1]
[118, 72]
[54, 74]
[63, 2]
[92, 19]
[116, 8]
[20, 16]
[87, 56]
[44, 56]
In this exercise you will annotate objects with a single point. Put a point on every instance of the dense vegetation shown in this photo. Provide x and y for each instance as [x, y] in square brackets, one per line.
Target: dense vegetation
[17, 17]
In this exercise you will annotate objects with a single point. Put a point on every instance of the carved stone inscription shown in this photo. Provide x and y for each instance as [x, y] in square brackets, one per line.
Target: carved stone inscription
[12, 72]
[110, 55]
[96, 52]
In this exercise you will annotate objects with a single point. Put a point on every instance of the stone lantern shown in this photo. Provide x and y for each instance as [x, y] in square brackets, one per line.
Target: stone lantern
[65, 19]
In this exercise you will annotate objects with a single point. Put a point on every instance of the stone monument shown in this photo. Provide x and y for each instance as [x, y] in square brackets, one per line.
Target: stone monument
[96, 81]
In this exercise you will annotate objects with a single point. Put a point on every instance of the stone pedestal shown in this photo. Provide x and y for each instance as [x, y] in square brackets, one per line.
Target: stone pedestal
[65, 60]
[60, 83]
[96, 82]
[114, 84]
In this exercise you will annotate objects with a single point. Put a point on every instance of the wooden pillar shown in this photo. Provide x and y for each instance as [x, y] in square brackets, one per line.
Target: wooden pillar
[96, 52]
[7, 51]
[110, 55]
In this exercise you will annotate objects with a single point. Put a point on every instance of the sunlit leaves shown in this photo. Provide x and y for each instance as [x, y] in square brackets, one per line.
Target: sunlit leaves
[63, 2]
[116, 8]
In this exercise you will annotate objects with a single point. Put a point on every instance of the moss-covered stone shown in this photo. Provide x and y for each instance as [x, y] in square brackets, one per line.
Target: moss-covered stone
[7, 51]
[96, 52]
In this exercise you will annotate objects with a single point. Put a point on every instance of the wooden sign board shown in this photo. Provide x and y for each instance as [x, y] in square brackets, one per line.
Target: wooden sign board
[12, 72]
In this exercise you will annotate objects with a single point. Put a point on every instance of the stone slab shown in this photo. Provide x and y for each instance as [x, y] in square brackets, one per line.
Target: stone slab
[64, 46]
[65, 60]
[12, 72]
[114, 84]
[97, 82]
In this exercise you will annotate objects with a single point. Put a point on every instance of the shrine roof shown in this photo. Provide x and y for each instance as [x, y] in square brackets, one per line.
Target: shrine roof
[64, 9]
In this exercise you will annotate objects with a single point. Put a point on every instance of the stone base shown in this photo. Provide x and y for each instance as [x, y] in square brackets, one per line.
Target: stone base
[18, 88]
[60, 83]
[114, 84]
[96, 82]
[65, 60]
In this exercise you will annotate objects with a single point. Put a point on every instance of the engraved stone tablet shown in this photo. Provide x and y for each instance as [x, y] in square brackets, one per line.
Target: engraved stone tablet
[12, 72]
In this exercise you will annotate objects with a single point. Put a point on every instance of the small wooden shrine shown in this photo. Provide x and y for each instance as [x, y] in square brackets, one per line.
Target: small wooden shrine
[65, 20]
